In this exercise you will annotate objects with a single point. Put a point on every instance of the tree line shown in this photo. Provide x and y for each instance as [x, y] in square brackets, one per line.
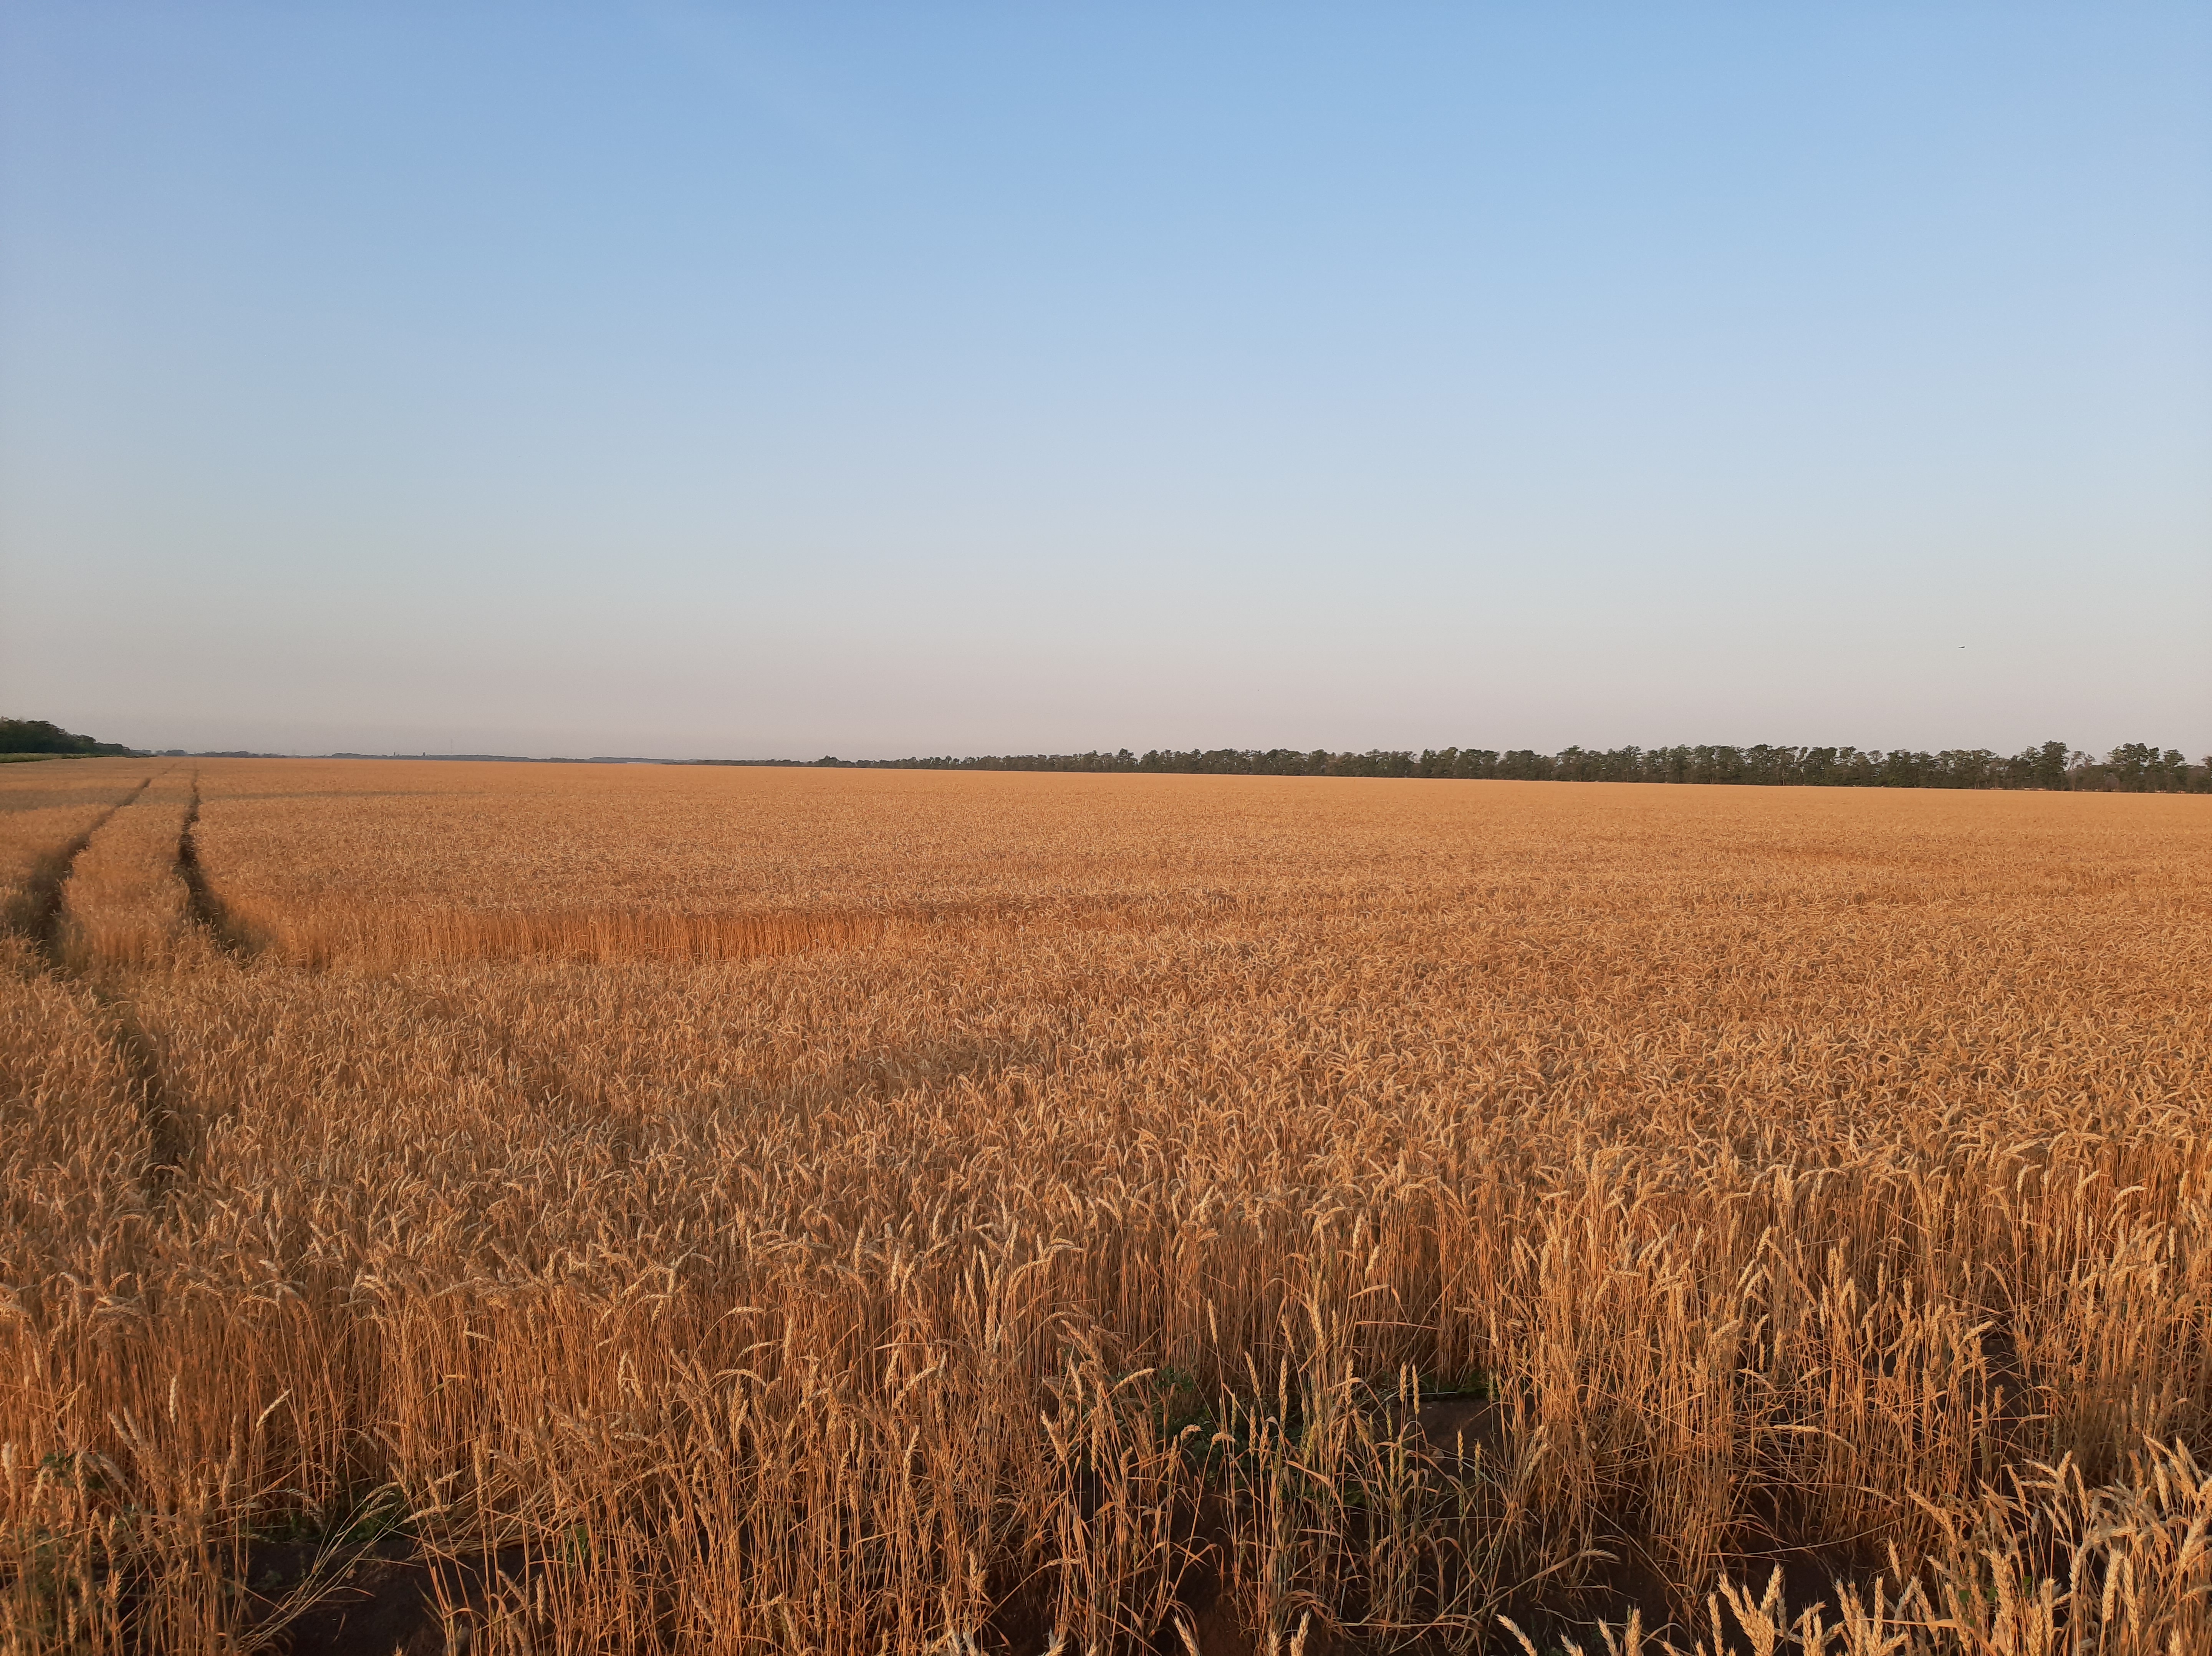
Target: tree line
[39, 736]
[2132, 767]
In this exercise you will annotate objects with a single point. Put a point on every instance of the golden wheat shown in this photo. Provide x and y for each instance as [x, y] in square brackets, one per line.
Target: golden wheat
[46, 810]
[125, 903]
[741, 1210]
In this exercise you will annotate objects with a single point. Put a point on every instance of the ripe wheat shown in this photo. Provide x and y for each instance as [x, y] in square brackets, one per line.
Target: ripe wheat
[667, 1210]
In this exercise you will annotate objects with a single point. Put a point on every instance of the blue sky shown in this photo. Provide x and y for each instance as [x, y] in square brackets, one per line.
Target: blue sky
[695, 379]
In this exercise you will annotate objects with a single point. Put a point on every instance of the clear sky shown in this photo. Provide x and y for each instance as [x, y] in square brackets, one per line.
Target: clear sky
[688, 380]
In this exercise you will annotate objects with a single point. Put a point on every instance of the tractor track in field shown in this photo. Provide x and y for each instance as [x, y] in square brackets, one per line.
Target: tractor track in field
[169, 1137]
[207, 908]
[40, 911]
[42, 919]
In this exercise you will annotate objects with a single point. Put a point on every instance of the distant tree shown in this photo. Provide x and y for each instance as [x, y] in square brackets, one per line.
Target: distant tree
[2131, 766]
[39, 736]
[2047, 765]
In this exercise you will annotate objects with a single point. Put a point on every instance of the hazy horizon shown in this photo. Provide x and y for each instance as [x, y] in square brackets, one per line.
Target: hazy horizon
[926, 756]
[694, 381]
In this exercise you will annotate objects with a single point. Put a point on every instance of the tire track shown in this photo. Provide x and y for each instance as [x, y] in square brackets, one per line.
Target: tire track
[207, 910]
[42, 917]
[40, 911]
[169, 1138]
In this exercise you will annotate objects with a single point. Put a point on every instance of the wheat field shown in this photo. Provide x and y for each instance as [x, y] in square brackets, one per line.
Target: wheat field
[572, 1208]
